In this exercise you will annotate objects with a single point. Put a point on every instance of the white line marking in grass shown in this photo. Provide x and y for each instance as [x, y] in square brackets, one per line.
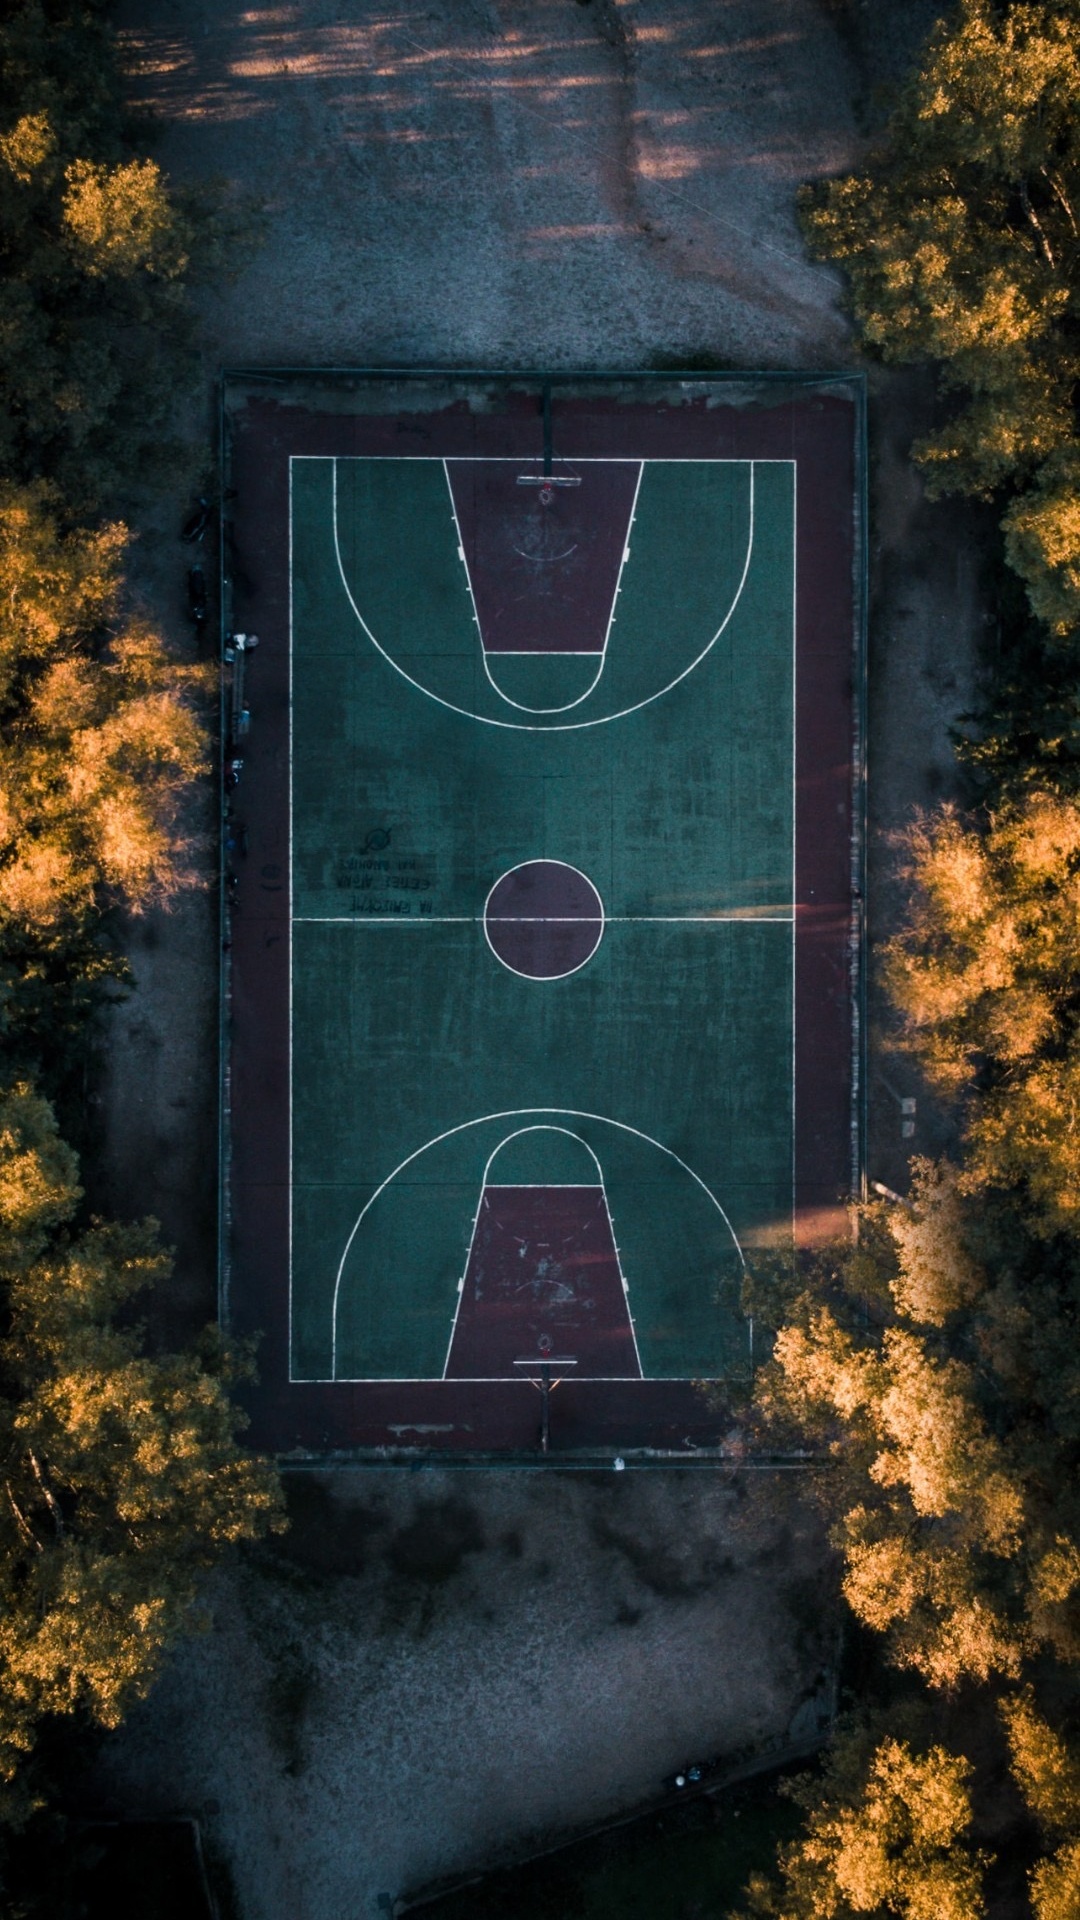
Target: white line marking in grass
[484, 1119]
[562, 726]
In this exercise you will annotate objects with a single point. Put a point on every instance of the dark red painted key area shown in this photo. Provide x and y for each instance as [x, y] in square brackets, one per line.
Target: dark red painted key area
[543, 1283]
[543, 576]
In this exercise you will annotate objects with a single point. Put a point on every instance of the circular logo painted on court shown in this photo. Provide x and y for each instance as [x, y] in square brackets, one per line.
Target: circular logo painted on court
[543, 919]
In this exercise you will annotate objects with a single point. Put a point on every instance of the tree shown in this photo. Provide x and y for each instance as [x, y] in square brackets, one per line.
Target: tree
[100, 741]
[1047, 1771]
[934, 1366]
[97, 254]
[984, 976]
[962, 246]
[1055, 1884]
[886, 1834]
[936, 1370]
[121, 1475]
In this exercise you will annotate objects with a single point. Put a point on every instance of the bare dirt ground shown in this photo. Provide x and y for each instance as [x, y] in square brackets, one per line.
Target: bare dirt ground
[435, 1670]
[432, 1667]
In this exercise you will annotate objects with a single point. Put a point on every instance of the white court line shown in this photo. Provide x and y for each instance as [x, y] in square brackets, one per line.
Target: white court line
[492, 1380]
[794, 830]
[396, 920]
[485, 1188]
[477, 919]
[460, 1290]
[292, 864]
[526, 653]
[562, 726]
[484, 1119]
[505, 919]
[479, 1205]
[521, 705]
[566, 460]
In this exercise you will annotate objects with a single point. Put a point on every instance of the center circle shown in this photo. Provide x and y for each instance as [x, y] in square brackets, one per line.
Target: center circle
[543, 919]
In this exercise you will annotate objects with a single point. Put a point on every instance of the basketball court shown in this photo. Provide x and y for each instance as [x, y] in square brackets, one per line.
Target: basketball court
[542, 962]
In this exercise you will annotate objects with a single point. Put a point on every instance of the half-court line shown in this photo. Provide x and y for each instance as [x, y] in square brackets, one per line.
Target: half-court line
[375, 917]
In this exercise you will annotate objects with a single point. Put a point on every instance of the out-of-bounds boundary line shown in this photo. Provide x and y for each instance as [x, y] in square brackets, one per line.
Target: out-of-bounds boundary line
[268, 413]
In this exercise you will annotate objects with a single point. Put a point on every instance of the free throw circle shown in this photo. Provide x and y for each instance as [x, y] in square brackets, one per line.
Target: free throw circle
[543, 919]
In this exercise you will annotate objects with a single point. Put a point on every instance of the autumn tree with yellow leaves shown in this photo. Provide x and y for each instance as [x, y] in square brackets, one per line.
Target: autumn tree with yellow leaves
[98, 253]
[984, 975]
[961, 244]
[99, 736]
[101, 739]
[887, 1832]
[934, 1370]
[121, 1477]
[120, 1474]
[933, 1367]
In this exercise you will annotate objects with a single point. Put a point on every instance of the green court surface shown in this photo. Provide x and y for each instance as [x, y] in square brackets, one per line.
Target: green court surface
[420, 777]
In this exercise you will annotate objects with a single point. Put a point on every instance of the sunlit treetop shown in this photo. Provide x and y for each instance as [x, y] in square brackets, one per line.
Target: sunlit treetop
[961, 243]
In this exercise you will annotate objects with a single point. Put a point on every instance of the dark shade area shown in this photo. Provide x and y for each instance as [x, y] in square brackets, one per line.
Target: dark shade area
[140, 1870]
[685, 1861]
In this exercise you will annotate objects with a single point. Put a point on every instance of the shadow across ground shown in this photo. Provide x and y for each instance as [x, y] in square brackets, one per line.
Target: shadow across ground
[687, 1862]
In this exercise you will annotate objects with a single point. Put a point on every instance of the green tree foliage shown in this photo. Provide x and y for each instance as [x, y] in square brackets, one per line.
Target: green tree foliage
[961, 242]
[96, 256]
[121, 1475]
